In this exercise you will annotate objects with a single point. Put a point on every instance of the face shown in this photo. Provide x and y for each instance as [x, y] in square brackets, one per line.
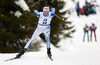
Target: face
[46, 13]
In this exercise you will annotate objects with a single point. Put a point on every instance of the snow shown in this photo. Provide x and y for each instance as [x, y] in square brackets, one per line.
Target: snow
[11, 12]
[18, 13]
[22, 4]
[72, 51]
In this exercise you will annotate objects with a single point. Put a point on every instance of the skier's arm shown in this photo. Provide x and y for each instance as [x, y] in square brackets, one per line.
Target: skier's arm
[37, 13]
[53, 12]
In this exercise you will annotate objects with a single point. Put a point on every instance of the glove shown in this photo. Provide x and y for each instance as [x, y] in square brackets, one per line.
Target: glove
[35, 11]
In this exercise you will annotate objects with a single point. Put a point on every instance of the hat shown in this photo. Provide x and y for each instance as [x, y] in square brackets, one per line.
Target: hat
[45, 8]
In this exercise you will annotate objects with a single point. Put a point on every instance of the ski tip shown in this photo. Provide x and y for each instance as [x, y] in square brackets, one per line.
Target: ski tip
[5, 60]
[10, 59]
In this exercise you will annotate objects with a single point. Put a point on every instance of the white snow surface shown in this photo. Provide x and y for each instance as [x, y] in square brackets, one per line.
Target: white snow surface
[72, 51]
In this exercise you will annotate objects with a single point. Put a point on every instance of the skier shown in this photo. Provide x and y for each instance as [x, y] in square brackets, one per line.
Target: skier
[87, 8]
[44, 22]
[86, 30]
[77, 8]
[93, 29]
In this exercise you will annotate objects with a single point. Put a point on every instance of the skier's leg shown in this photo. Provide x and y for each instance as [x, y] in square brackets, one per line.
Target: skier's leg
[79, 12]
[95, 35]
[84, 36]
[48, 46]
[91, 35]
[47, 41]
[36, 33]
[88, 36]
[47, 37]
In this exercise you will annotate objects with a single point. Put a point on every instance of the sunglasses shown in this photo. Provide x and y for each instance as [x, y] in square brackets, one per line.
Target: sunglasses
[46, 12]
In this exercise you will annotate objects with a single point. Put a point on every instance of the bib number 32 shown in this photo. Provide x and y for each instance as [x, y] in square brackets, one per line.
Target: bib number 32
[45, 21]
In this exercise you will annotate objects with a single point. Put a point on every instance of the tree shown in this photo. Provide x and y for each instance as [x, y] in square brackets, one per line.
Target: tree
[13, 30]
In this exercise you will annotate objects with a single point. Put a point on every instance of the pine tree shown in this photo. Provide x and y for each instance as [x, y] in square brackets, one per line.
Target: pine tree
[13, 30]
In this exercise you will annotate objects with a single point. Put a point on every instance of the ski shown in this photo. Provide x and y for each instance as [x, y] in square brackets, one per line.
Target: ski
[11, 59]
[51, 58]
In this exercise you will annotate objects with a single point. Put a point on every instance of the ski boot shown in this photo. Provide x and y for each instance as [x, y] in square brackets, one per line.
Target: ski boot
[91, 39]
[88, 40]
[83, 39]
[95, 39]
[21, 53]
[49, 52]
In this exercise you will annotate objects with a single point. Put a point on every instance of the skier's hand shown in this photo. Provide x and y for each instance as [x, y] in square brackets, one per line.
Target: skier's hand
[35, 11]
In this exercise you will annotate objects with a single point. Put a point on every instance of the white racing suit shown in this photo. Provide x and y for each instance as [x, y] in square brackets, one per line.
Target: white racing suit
[43, 27]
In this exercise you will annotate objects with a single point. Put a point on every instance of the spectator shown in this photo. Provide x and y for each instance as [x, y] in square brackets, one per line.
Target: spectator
[86, 30]
[87, 8]
[93, 29]
[77, 8]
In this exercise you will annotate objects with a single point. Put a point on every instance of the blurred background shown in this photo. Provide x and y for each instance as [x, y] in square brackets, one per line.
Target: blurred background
[18, 22]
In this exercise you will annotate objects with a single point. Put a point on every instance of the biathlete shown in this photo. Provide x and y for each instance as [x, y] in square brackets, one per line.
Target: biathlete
[86, 30]
[93, 29]
[44, 22]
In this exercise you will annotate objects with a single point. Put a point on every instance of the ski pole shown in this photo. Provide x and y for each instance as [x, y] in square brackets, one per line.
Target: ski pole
[59, 17]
